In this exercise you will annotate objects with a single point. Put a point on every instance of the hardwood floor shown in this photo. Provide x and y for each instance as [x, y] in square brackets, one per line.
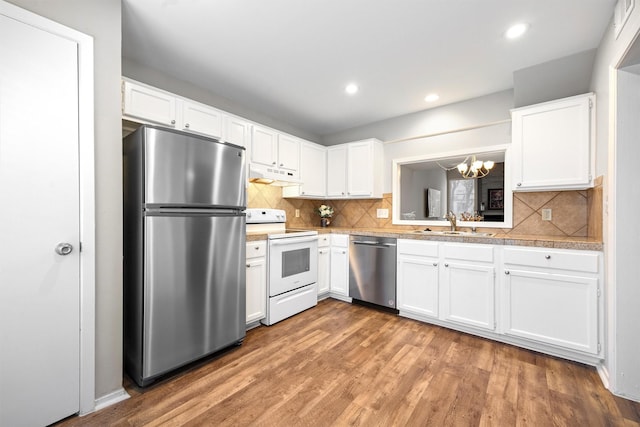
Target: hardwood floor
[341, 364]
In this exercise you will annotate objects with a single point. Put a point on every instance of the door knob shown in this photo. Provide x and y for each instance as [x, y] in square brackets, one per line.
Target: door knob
[64, 248]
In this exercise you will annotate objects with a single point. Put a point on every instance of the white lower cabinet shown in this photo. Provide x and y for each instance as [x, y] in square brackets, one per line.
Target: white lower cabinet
[468, 294]
[543, 299]
[552, 297]
[468, 285]
[418, 278]
[256, 281]
[324, 264]
[339, 277]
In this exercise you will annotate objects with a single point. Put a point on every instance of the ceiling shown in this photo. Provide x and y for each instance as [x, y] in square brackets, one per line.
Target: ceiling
[291, 59]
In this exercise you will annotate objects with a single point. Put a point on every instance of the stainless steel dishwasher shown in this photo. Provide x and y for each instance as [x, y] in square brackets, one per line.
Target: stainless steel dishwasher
[372, 270]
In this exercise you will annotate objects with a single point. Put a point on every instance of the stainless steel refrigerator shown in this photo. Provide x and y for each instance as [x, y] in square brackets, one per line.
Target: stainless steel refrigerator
[184, 249]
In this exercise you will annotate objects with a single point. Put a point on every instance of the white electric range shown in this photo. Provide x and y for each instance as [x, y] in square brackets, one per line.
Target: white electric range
[292, 260]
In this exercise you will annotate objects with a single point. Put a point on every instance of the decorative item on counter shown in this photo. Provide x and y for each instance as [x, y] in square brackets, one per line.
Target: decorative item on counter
[466, 216]
[325, 212]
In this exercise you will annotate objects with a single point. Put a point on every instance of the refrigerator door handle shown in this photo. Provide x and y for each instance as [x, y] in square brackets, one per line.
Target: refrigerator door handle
[154, 211]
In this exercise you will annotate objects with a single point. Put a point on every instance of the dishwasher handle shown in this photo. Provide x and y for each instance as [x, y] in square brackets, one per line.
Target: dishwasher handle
[373, 243]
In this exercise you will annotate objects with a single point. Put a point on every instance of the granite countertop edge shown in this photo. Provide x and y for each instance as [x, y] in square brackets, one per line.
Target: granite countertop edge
[556, 242]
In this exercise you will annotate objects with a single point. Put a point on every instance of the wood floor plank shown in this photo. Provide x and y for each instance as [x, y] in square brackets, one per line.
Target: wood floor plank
[340, 364]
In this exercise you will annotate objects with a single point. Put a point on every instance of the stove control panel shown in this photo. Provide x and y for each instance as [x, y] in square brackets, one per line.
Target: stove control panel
[265, 216]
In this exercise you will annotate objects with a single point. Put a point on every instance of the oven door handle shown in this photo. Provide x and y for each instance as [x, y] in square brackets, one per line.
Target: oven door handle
[292, 240]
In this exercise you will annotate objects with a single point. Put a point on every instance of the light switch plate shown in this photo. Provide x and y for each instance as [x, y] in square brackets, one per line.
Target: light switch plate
[546, 214]
[382, 213]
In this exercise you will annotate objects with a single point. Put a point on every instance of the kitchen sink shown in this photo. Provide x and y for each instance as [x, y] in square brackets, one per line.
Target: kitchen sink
[455, 233]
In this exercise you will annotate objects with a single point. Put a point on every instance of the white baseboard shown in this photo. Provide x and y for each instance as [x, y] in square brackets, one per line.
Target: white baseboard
[603, 372]
[111, 399]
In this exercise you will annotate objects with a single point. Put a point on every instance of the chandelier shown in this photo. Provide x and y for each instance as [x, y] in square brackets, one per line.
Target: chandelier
[477, 169]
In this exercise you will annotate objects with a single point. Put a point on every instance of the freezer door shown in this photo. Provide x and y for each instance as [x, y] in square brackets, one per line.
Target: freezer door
[183, 169]
[194, 288]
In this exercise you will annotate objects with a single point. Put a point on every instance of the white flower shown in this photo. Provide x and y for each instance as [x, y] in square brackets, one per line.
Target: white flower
[325, 211]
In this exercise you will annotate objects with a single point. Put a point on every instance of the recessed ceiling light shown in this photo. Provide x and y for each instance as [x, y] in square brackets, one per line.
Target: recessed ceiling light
[432, 97]
[351, 88]
[516, 31]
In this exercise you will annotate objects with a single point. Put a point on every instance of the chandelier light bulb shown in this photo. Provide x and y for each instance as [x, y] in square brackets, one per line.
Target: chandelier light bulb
[476, 168]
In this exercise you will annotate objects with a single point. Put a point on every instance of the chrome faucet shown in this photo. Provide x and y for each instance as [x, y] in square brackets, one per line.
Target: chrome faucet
[452, 219]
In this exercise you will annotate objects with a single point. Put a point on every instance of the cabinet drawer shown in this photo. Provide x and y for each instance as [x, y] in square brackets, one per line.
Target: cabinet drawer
[463, 252]
[586, 262]
[324, 240]
[341, 240]
[256, 249]
[417, 247]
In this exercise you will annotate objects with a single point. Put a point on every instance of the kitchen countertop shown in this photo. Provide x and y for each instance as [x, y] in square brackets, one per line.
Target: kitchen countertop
[559, 242]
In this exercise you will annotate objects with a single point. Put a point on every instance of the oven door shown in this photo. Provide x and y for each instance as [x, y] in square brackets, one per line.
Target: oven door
[293, 263]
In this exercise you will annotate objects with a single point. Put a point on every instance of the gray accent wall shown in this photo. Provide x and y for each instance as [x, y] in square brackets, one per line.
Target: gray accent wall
[555, 79]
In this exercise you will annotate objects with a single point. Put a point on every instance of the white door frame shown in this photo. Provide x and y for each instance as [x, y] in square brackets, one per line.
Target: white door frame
[613, 235]
[87, 192]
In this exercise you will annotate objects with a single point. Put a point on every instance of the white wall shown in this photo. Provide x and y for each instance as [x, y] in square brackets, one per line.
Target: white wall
[473, 112]
[101, 19]
[482, 137]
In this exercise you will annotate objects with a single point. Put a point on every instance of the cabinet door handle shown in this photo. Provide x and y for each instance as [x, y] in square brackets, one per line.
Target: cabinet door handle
[435, 264]
[248, 265]
[186, 125]
[273, 163]
[519, 184]
[547, 257]
[302, 192]
[173, 122]
[281, 164]
[446, 265]
[257, 248]
[506, 272]
[344, 252]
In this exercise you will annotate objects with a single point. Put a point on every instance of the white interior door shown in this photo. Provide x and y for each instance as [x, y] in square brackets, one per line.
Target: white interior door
[39, 209]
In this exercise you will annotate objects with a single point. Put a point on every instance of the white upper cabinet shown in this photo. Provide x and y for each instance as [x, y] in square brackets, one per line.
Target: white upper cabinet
[264, 146]
[202, 119]
[273, 149]
[313, 173]
[288, 152]
[237, 131]
[145, 104]
[354, 170]
[148, 104]
[553, 145]
[337, 171]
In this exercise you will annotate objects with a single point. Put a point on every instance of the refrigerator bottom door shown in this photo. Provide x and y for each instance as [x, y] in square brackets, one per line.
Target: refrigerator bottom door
[194, 288]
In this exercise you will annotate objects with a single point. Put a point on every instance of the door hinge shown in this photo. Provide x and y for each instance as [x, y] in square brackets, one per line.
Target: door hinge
[80, 246]
[598, 292]
[599, 347]
[590, 103]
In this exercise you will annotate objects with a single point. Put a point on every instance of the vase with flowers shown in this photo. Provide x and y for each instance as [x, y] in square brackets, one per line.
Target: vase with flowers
[325, 212]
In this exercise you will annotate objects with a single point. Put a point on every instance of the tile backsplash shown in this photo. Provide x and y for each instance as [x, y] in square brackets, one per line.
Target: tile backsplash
[574, 213]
